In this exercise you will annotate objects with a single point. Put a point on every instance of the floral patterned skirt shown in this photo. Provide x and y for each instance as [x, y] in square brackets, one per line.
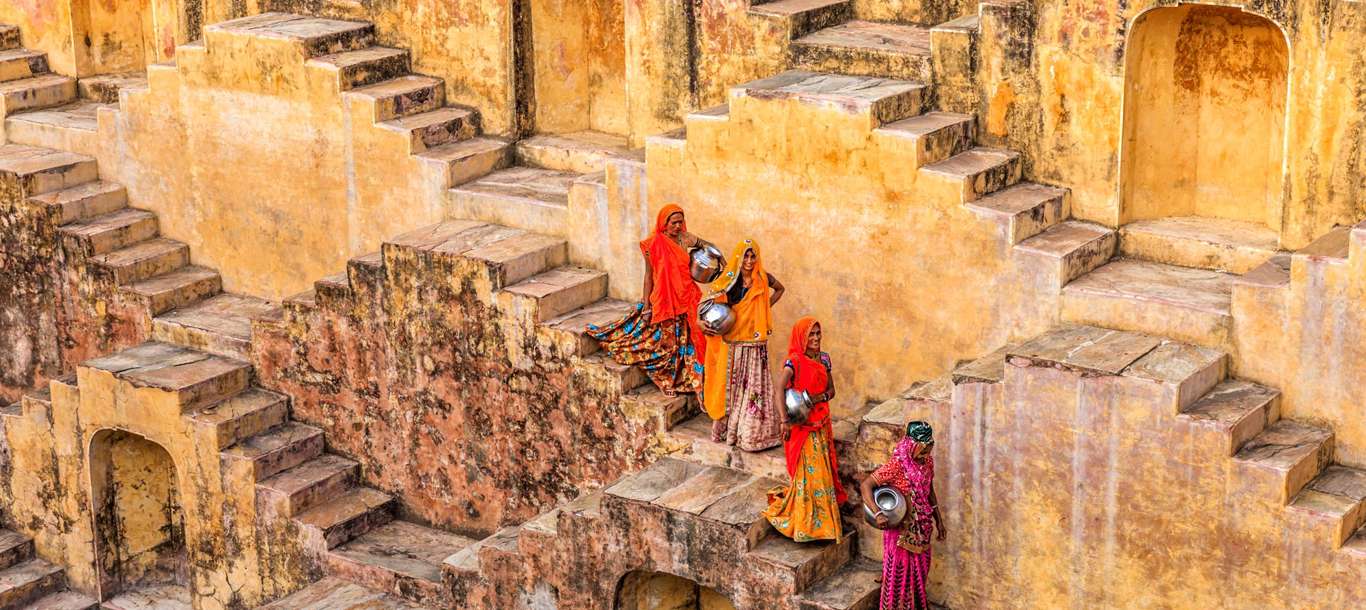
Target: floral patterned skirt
[807, 508]
[752, 422]
[664, 350]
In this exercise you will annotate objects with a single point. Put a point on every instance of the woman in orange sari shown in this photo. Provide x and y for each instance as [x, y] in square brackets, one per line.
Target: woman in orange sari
[662, 334]
[809, 507]
[738, 388]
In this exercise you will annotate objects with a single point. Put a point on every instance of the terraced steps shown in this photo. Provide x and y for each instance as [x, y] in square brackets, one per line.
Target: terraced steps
[399, 558]
[220, 324]
[867, 48]
[581, 152]
[1203, 243]
[31, 583]
[1187, 304]
[529, 198]
[338, 594]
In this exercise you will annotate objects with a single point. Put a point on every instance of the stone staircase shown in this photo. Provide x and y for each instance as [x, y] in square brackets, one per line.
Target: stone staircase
[715, 513]
[27, 582]
[827, 36]
[119, 252]
[26, 82]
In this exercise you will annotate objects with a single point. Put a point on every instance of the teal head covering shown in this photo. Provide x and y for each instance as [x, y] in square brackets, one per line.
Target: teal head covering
[920, 431]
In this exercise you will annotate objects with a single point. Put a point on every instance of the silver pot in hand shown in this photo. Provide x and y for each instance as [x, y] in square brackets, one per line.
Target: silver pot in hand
[798, 405]
[890, 503]
[716, 317]
[706, 263]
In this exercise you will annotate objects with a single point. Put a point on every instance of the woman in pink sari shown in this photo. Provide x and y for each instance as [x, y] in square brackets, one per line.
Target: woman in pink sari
[906, 548]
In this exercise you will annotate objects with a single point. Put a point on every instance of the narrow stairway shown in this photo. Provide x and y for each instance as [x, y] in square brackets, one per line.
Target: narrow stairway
[27, 582]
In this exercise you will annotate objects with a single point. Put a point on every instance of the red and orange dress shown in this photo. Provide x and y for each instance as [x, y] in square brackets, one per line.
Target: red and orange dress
[669, 346]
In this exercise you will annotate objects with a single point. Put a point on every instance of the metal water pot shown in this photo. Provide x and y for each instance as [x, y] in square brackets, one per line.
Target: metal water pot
[890, 503]
[706, 264]
[797, 404]
[716, 317]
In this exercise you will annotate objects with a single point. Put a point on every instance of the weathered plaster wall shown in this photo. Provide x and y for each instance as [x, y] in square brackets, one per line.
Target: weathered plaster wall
[46, 26]
[51, 447]
[1304, 332]
[28, 292]
[139, 528]
[417, 368]
[1063, 488]
[1205, 115]
[469, 43]
[1053, 80]
[276, 180]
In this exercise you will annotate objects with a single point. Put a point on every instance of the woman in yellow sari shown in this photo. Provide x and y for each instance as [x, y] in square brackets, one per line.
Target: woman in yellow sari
[737, 387]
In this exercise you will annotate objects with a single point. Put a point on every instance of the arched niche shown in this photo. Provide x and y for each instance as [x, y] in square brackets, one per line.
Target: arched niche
[642, 590]
[1204, 116]
[139, 522]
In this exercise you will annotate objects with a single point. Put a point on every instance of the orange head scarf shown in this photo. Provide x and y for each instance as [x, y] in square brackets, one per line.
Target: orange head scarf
[674, 291]
[752, 316]
[811, 375]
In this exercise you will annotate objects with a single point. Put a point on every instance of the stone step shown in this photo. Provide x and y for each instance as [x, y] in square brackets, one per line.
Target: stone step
[1233, 413]
[9, 36]
[277, 449]
[220, 324]
[197, 378]
[83, 201]
[719, 501]
[867, 48]
[470, 159]
[333, 593]
[315, 36]
[979, 171]
[36, 93]
[364, 67]
[1203, 243]
[401, 96]
[1070, 249]
[151, 597]
[694, 435]
[509, 255]
[400, 558]
[243, 416]
[568, 329]
[1088, 349]
[1024, 210]
[309, 484]
[179, 288]
[1190, 305]
[105, 88]
[1334, 503]
[853, 587]
[805, 16]
[880, 100]
[43, 170]
[430, 129]
[715, 114]
[143, 260]
[21, 63]
[670, 411]
[465, 563]
[558, 291]
[528, 198]
[110, 232]
[580, 152]
[624, 377]
[1286, 456]
[23, 583]
[934, 136]
[69, 127]
[65, 600]
[336, 521]
[1334, 245]
[804, 563]
[15, 548]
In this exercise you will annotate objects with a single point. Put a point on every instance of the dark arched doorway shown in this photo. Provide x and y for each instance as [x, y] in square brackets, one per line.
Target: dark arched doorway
[657, 591]
[1204, 116]
[139, 525]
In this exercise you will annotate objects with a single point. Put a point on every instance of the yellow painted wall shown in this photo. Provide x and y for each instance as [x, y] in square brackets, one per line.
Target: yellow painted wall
[275, 181]
[1204, 115]
[46, 26]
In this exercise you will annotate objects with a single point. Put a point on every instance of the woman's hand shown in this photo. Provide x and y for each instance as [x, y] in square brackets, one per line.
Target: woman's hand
[942, 532]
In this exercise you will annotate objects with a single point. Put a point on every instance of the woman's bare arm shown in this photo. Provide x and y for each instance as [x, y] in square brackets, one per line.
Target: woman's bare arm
[778, 290]
[784, 378]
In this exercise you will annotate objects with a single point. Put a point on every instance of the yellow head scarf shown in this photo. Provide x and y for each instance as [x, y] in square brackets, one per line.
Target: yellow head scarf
[753, 323]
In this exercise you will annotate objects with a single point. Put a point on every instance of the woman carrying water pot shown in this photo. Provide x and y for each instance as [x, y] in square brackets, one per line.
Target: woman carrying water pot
[906, 546]
[738, 393]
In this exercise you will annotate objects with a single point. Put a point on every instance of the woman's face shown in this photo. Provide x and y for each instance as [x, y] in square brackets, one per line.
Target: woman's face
[673, 227]
[921, 450]
[747, 265]
[813, 339]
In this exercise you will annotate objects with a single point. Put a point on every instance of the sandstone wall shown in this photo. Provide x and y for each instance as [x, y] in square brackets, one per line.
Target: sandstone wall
[1053, 79]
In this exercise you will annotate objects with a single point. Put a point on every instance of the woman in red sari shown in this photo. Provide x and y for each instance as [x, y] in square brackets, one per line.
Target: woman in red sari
[662, 334]
[808, 508]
